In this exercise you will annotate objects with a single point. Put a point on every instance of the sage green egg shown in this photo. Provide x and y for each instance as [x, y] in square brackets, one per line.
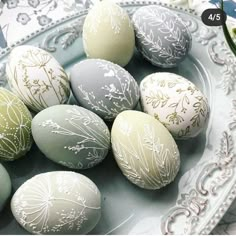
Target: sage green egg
[108, 33]
[57, 202]
[144, 150]
[5, 185]
[71, 136]
[15, 127]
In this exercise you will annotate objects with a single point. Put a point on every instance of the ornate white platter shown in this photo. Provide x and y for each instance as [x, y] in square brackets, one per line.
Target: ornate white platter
[206, 184]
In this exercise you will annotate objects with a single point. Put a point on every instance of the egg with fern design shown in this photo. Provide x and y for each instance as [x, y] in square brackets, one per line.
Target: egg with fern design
[71, 136]
[176, 102]
[108, 33]
[58, 202]
[161, 36]
[15, 127]
[37, 78]
[104, 87]
[5, 183]
[144, 150]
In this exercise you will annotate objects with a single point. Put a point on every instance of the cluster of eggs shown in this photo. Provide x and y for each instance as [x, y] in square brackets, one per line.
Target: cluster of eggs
[143, 143]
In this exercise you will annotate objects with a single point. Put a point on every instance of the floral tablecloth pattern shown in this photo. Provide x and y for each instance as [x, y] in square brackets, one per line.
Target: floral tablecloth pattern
[19, 18]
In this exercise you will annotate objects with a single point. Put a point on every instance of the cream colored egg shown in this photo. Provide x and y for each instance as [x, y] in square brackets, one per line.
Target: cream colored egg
[108, 33]
[144, 150]
[58, 202]
[176, 102]
[37, 78]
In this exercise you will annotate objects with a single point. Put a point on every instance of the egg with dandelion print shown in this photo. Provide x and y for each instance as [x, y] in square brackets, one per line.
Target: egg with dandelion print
[58, 202]
[104, 87]
[15, 127]
[176, 102]
[37, 78]
[71, 136]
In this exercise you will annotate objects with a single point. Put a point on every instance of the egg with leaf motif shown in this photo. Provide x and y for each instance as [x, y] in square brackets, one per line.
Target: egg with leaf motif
[161, 36]
[176, 102]
[58, 202]
[144, 150]
[37, 78]
[15, 127]
[108, 33]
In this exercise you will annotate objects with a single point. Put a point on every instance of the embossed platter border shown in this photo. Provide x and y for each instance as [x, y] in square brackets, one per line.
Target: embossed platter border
[208, 189]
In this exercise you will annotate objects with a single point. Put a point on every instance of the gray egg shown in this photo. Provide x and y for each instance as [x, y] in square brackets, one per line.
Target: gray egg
[161, 36]
[5, 183]
[104, 87]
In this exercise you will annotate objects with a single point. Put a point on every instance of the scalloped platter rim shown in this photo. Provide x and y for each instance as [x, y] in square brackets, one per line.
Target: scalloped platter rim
[206, 185]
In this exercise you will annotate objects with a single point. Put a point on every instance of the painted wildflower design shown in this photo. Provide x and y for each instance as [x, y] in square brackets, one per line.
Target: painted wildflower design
[46, 205]
[122, 94]
[49, 78]
[87, 132]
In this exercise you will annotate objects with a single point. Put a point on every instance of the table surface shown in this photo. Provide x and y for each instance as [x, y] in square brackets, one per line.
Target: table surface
[19, 17]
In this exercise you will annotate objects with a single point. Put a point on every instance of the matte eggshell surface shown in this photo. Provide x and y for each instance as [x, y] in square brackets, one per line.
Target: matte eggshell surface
[15, 127]
[5, 186]
[57, 202]
[37, 78]
[71, 136]
[176, 102]
[144, 150]
[104, 87]
[161, 36]
[108, 33]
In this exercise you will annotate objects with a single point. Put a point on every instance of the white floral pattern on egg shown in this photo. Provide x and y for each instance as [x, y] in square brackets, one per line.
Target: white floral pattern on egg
[161, 36]
[104, 87]
[108, 33]
[176, 102]
[37, 78]
[58, 202]
[144, 150]
[79, 139]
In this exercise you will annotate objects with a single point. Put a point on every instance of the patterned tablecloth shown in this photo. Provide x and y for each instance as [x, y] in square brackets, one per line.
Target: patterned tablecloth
[19, 17]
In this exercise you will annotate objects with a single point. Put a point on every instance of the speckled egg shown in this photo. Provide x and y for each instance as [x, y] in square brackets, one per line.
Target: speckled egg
[15, 127]
[108, 33]
[104, 88]
[161, 36]
[58, 202]
[37, 78]
[144, 150]
[71, 135]
[5, 183]
[176, 102]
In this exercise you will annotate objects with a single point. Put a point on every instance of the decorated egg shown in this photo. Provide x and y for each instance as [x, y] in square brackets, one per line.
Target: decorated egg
[161, 36]
[144, 150]
[108, 33]
[71, 136]
[37, 78]
[58, 202]
[15, 127]
[104, 88]
[176, 102]
[5, 183]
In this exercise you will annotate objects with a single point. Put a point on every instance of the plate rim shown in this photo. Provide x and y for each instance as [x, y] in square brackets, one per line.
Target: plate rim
[214, 57]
